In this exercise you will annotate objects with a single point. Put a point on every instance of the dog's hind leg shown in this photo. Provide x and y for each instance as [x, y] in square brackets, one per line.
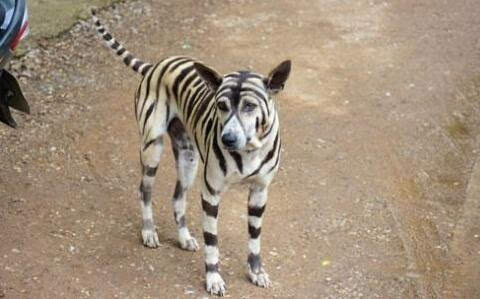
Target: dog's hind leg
[186, 158]
[149, 158]
[152, 119]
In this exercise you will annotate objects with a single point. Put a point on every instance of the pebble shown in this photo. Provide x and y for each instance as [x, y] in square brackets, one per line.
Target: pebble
[326, 263]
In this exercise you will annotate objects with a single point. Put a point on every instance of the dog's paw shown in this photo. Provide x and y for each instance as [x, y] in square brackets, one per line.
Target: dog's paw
[215, 284]
[259, 278]
[150, 238]
[189, 244]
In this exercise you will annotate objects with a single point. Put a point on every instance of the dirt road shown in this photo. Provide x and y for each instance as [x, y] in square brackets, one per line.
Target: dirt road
[377, 196]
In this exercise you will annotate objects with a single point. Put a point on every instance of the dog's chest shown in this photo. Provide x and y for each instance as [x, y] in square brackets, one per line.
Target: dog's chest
[240, 172]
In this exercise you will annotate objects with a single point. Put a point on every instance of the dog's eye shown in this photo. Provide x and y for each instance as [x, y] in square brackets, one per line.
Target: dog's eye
[248, 106]
[222, 106]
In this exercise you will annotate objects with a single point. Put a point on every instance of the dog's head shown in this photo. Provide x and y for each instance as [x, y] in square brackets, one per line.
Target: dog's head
[244, 102]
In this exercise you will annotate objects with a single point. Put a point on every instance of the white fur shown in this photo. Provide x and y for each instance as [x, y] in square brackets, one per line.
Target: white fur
[254, 245]
[179, 207]
[255, 221]
[140, 69]
[186, 241]
[133, 61]
[211, 254]
[209, 224]
[261, 278]
[147, 213]
[234, 127]
[215, 284]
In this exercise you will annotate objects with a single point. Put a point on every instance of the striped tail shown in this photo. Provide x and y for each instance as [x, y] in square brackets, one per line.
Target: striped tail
[136, 64]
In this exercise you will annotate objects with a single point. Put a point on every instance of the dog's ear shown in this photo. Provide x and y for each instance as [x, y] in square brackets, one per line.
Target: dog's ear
[209, 76]
[277, 78]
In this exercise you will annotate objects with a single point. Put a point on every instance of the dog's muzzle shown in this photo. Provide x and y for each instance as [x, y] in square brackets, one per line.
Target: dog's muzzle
[229, 140]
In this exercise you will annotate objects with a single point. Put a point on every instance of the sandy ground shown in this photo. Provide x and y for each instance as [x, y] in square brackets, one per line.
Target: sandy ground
[377, 196]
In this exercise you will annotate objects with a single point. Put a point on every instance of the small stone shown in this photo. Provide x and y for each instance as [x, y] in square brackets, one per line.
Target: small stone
[186, 45]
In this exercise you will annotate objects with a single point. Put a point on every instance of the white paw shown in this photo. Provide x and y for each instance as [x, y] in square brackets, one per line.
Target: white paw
[150, 238]
[260, 278]
[190, 244]
[215, 284]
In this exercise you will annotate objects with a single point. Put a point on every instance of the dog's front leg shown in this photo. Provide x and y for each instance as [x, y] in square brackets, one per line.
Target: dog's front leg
[257, 202]
[210, 201]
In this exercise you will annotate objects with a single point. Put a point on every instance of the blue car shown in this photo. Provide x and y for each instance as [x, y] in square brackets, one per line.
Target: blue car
[13, 28]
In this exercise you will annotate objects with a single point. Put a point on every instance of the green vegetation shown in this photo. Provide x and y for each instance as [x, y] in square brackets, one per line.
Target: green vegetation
[49, 18]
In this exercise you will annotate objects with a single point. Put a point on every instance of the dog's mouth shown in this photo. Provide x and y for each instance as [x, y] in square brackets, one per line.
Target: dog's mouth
[232, 148]
[252, 145]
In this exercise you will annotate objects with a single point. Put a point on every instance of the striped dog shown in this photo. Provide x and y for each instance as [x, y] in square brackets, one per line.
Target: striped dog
[230, 122]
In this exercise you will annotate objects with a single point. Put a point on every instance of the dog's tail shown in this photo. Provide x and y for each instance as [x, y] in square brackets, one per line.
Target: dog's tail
[136, 64]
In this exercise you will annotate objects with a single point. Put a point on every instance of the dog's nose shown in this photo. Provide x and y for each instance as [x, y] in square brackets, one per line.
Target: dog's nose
[229, 139]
